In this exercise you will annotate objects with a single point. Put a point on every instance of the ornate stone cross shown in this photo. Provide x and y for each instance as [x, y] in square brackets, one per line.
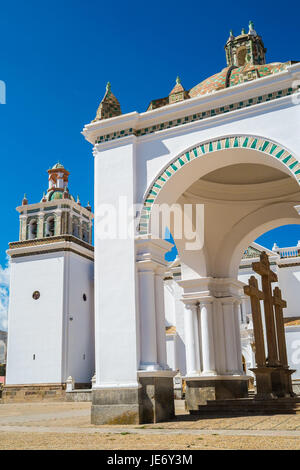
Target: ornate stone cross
[255, 297]
[267, 277]
[273, 376]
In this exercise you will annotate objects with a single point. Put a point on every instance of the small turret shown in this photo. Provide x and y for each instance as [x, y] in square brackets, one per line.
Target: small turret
[109, 106]
[178, 93]
[247, 48]
[24, 201]
[66, 194]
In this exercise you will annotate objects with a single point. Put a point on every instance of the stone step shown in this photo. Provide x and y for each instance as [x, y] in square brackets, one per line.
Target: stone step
[244, 406]
[280, 402]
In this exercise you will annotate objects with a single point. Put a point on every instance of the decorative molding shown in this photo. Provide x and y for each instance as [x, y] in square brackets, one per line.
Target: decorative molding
[196, 116]
[50, 240]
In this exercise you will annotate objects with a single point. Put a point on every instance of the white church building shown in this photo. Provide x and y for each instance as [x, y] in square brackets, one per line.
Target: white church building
[224, 158]
[51, 308]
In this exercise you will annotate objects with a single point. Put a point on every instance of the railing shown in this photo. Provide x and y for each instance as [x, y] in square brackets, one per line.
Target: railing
[288, 252]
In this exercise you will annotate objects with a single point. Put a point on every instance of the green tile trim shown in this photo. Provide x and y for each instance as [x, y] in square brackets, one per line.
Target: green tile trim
[249, 142]
[278, 155]
[197, 117]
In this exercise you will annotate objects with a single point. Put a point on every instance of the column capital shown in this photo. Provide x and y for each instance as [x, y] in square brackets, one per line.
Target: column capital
[190, 305]
[149, 265]
[229, 300]
[211, 287]
[206, 300]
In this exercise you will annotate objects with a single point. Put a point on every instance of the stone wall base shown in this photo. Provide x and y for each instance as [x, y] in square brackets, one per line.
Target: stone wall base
[116, 405]
[197, 391]
[33, 393]
[151, 402]
[79, 395]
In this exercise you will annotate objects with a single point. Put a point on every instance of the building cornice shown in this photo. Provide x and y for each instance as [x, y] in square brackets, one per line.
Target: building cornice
[51, 245]
[269, 88]
[57, 204]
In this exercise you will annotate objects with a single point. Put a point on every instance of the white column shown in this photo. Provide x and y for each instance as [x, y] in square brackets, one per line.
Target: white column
[190, 311]
[148, 321]
[219, 335]
[237, 314]
[117, 332]
[160, 321]
[208, 353]
[244, 309]
[196, 338]
[230, 336]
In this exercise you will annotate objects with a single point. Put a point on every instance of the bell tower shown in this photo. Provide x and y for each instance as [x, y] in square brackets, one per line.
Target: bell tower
[51, 311]
[246, 48]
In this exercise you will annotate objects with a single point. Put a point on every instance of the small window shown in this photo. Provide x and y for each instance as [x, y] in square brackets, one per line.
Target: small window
[50, 227]
[84, 297]
[241, 56]
[36, 295]
[32, 232]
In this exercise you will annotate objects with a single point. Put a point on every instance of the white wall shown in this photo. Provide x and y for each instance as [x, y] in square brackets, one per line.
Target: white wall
[171, 352]
[80, 337]
[116, 307]
[289, 283]
[293, 349]
[174, 311]
[44, 327]
[169, 303]
[35, 326]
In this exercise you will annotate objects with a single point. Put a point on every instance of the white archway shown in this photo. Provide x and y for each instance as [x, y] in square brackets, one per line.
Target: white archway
[175, 178]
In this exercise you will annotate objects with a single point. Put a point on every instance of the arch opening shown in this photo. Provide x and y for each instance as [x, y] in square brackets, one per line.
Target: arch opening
[182, 171]
[243, 192]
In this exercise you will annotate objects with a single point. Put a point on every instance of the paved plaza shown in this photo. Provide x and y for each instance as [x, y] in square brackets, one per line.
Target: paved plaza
[67, 426]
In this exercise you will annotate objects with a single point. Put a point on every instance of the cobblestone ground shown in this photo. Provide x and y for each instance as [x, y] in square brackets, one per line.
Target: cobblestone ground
[67, 426]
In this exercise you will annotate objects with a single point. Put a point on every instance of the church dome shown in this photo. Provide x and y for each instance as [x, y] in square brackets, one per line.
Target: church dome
[57, 166]
[246, 61]
[233, 75]
[57, 194]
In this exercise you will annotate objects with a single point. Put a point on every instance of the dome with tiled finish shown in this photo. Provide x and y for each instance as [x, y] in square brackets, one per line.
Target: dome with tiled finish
[57, 166]
[232, 75]
[246, 61]
[58, 194]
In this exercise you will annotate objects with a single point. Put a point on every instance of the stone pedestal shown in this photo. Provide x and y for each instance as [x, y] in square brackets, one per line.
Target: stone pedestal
[151, 402]
[116, 405]
[264, 383]
[200, 389]
[157, 396]
[282, 382]
[273, 382]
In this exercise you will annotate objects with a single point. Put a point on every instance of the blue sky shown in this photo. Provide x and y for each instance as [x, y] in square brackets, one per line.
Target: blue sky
[56, 57]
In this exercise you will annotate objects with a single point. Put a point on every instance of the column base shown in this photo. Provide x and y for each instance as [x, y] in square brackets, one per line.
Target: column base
[264, 385]
[282, 382]
[116, 405]
[220, 387]
[273, 382]
[151, 402]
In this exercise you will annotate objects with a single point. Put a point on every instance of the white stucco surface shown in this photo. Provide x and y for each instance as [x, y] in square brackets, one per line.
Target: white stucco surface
[44, 344]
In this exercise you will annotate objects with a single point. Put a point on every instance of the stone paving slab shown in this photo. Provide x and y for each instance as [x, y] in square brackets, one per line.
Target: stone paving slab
[154, 442]
[77, 416]
[124, 430]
